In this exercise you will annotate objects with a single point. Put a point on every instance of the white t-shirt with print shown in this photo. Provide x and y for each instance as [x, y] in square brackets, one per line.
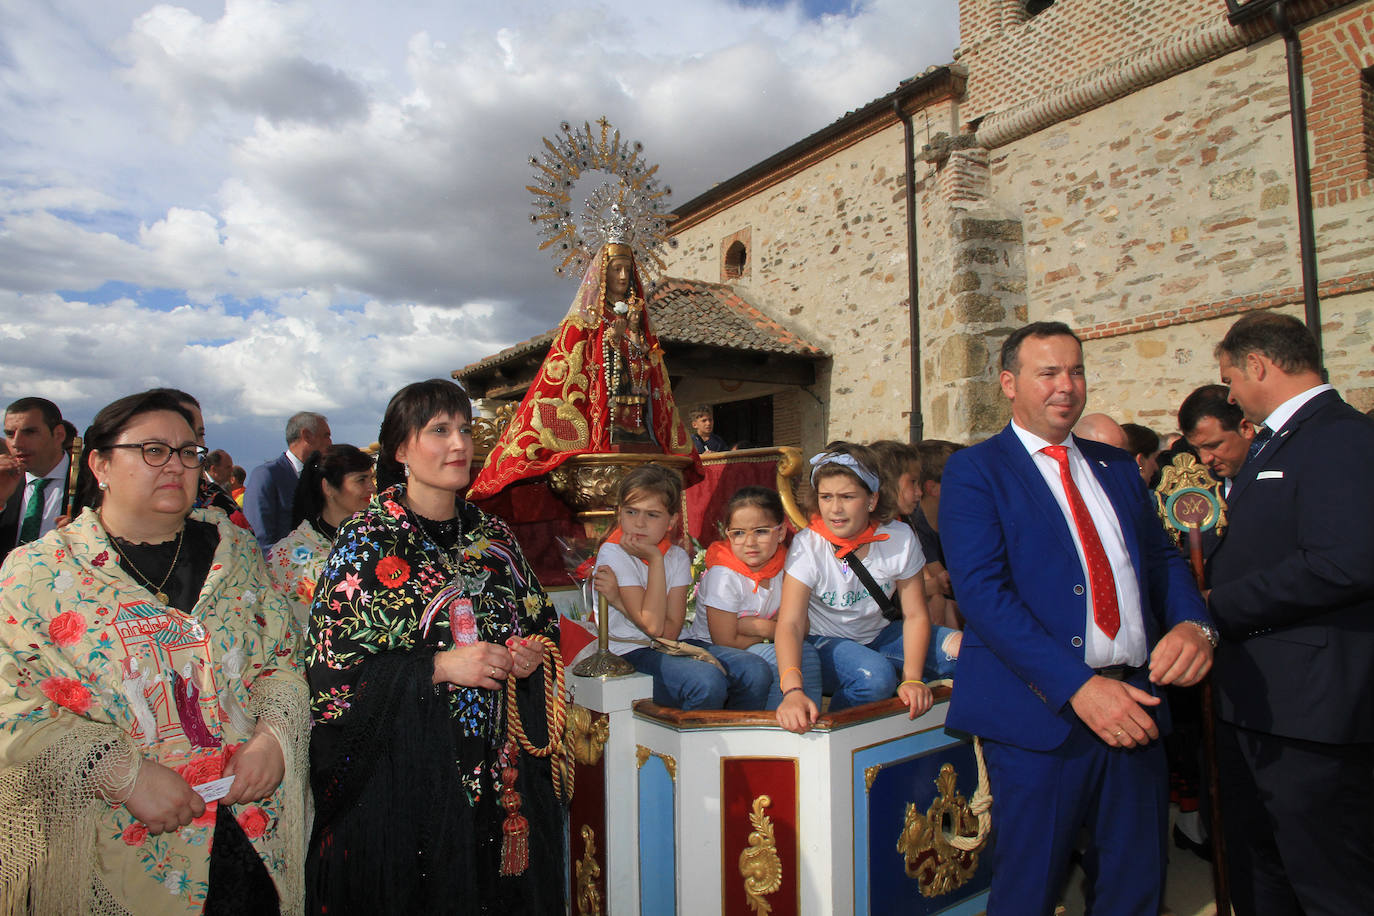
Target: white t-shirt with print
[840, 604]
[630, 570]
[724, 589]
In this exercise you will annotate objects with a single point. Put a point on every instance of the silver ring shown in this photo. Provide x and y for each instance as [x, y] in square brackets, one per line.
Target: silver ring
[493, 674]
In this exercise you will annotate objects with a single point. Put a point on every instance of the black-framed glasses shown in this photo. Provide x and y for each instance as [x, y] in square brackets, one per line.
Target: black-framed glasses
[157, 454]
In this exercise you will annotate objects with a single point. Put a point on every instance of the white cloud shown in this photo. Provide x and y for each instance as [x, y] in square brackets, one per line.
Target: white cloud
[333, 190]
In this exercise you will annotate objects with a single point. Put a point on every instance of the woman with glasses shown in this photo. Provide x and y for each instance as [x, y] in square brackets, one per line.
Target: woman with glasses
[152, 717]
[334, 485]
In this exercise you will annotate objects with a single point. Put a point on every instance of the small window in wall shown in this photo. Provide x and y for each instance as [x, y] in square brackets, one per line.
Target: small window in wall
[736, 260]
[1367, 106]
[734, 255]
[1036, 7]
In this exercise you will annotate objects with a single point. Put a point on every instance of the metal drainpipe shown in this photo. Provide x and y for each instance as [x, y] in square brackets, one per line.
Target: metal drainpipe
[916, 432]
[1302, 172]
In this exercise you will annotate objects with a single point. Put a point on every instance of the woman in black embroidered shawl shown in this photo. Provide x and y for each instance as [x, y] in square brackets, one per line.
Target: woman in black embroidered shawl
[420, 616]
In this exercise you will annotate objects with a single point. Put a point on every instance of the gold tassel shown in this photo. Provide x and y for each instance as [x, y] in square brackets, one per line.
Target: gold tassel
[515, 832]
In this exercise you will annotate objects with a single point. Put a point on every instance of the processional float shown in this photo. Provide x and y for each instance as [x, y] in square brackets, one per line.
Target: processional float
[720, 811]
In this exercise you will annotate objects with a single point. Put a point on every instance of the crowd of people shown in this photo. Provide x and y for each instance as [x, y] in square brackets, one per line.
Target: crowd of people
[298, 697]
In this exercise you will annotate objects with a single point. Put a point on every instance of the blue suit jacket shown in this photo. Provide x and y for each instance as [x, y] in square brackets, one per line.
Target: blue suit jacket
[1023, 591]
[1293, 581]
[267, 497]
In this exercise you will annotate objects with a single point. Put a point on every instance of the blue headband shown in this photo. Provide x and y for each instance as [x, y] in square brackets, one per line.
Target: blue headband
[869, 479]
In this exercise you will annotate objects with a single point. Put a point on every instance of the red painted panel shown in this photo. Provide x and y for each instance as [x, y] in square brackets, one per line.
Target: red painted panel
[588, 808]
[744, 779]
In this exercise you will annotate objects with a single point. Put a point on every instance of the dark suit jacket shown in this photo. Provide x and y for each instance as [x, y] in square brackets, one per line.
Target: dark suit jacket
[9, 523]
[267, 498]
[1293, 581]
[1023, 591]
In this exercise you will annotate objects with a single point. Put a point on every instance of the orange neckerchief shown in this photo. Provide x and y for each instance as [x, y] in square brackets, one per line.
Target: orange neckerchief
[846, 545]
[720, 554]
[663, 545]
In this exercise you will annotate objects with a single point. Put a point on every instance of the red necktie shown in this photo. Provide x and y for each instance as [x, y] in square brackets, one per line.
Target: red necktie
[1106, 613]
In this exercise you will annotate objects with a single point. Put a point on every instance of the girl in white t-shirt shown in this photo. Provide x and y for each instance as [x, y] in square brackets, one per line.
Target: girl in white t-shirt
[645, 578]
[863, 657]
[738, 594]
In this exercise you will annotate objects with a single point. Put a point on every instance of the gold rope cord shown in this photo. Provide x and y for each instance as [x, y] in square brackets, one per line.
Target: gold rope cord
[556, 713]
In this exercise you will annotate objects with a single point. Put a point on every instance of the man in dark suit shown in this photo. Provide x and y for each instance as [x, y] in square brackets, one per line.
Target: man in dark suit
[1292, 590]
[33, 475]
[1078, 610]
[271, 487]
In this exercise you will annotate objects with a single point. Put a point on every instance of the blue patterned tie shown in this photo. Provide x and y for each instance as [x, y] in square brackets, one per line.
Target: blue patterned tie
[1262, 435]
[33, 512]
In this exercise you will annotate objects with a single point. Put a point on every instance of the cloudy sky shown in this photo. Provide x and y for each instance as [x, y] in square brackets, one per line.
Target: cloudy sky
[304, 204]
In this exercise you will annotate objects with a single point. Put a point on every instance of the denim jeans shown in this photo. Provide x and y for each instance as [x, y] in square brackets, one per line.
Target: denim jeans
[689, 683]
[854, 673]
[810, 672]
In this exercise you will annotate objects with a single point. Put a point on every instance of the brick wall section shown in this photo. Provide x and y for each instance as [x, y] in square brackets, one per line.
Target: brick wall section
[1337, 51]
[828, 260]
[1012, 59]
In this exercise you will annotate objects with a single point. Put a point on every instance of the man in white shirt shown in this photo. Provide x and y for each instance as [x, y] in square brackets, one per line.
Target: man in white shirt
[1219, 431]
[1078, 610]
[33, 477]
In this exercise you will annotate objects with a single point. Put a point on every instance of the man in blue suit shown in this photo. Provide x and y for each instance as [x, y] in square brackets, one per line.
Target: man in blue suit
[271, 487]
[1078, 609]
[1292, 590]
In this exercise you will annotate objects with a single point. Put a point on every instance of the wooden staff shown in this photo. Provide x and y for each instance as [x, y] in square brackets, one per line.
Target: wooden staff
[1221, 884]
[1188, 498]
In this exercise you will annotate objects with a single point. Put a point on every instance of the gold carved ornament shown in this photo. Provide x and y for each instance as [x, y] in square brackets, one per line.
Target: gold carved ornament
[759, 864]
[1189, 496]
[588, 872]
[586, 735]
[941, 860]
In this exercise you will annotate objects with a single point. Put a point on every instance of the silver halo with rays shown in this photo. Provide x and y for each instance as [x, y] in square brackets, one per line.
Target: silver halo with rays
[629, 208]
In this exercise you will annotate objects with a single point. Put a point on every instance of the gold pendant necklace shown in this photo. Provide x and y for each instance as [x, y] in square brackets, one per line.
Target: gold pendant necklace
[159, 590]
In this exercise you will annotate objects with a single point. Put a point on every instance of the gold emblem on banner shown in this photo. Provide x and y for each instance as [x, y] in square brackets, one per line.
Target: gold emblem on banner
[938, 866]
[759, 864]
[588, 872]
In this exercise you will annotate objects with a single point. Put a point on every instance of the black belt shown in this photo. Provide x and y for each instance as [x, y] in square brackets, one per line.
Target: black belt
[1119, 672]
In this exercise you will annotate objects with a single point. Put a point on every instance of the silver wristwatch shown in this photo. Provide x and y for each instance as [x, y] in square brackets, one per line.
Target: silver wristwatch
[1208, 630]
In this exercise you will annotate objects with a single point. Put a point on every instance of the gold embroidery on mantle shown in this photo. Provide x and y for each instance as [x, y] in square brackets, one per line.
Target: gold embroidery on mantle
[759, 864]
[588, 871]
[937, 866]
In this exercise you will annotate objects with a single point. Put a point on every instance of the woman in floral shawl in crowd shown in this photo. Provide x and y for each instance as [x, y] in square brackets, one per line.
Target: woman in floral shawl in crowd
[423, 803]
[334, 484]
[144, 655]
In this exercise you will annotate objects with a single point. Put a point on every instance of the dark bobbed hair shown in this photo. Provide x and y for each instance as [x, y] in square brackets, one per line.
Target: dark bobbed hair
[886, 509]
[51, 415]
[333, 465]
[109, 424]
[182, 396]
[1140, 440]
[1282, 338]
[1010, 358]
[753, 497]
[407, 412]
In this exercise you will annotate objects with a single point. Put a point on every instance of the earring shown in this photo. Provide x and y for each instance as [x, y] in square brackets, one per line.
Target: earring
[104, 485]
[406, 469]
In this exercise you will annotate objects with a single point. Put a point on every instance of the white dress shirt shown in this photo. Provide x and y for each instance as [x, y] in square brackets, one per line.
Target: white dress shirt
[52, 496]
[1284, 412]
[1099, 650]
